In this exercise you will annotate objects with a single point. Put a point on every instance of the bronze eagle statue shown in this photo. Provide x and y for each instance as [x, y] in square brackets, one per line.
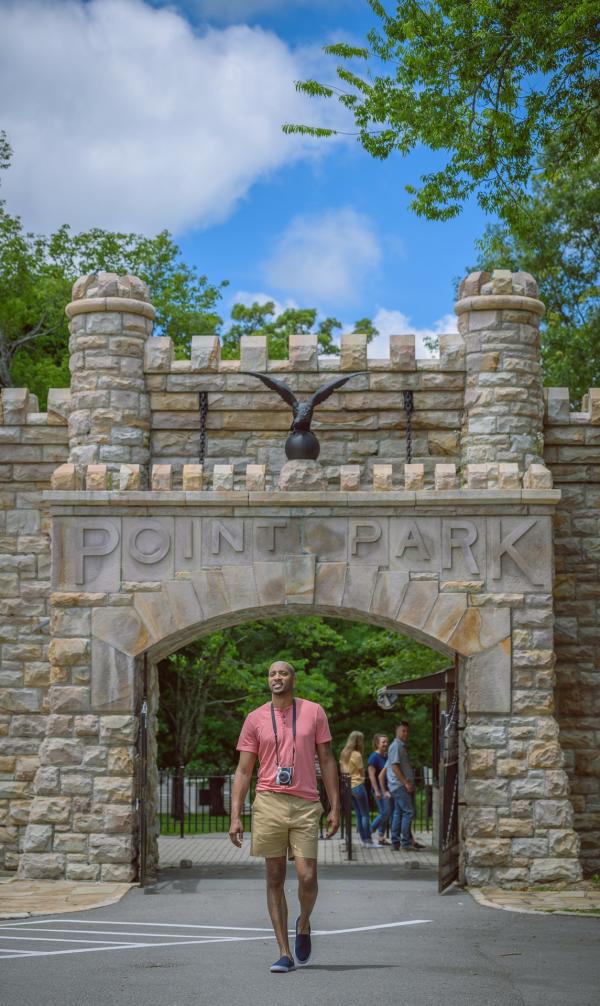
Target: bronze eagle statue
[302, 444]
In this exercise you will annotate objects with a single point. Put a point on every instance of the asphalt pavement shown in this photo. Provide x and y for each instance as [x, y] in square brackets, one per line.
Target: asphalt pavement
[381, 936]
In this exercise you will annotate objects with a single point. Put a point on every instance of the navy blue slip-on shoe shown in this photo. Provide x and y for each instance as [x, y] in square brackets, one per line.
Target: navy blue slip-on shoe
[302, 946]
[283, 965]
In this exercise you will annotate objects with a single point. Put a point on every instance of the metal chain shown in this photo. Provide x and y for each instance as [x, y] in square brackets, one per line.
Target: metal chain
[451, 714]
[408, 408]
[203, 404]
[451, 820]
[451, 721]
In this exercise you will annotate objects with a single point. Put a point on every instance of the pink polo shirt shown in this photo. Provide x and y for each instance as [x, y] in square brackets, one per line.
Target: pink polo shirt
[257, 736]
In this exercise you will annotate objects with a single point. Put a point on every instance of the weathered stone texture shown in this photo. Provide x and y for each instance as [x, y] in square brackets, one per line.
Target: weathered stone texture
[572, 455]
[67, 731]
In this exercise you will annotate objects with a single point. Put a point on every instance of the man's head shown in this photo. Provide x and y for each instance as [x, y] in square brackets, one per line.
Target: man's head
[282, 677]
[380, 743]
[402, 731]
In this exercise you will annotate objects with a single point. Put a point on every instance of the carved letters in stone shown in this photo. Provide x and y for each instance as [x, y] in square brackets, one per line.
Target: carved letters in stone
[507, 553]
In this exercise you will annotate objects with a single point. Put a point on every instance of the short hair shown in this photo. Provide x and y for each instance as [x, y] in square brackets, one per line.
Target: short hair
[403, 723]
[285, 663]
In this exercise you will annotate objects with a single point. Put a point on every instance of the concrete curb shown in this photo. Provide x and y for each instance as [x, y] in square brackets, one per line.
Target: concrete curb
[64, 897]
[478, 896]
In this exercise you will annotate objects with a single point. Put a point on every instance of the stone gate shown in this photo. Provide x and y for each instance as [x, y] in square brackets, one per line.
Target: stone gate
[118, 544]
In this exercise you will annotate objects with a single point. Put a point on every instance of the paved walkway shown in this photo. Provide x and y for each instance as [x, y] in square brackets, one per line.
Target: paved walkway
[585, 901]
[201, 937]
[216, 850]
[22, 898]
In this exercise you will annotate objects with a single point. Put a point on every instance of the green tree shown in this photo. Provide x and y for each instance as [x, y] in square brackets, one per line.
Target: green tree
[487, 84]
[5, 151]
[339, 663]
[36, 275]
[262, 319]
[557, 239]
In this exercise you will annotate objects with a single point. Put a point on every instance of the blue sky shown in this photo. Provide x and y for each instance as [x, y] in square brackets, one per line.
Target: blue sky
[128, 114]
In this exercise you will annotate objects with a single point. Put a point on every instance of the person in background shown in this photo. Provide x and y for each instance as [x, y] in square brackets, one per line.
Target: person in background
[397, 780]
[375, 764]
[351, 763]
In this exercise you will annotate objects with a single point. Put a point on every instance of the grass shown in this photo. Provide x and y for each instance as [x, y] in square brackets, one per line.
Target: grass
[207, 825]
[200, 826]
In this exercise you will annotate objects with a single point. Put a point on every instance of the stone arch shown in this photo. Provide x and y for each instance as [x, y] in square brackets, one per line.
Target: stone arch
[162, 621]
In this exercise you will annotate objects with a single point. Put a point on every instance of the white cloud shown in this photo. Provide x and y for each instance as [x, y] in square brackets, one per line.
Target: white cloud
[121, 116]
[396, 323]
[324, 257]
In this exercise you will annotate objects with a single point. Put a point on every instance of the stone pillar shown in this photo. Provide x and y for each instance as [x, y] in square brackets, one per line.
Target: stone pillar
[499, 317]
[110, 318]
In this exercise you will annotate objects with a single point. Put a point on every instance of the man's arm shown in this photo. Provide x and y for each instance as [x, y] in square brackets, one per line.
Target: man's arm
[374, 780]
[239, 792]
[329, 774]
[383, 781]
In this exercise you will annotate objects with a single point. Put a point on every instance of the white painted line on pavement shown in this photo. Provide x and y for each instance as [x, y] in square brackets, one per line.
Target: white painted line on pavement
[134, 946]
[365, 929]
[61, 939]
[173, 941]
[157, 925]
[100, 932]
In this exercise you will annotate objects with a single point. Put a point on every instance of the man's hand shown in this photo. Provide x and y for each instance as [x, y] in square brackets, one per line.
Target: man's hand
[333, 819]
[409, 787]
[236, 832]
[387, 794]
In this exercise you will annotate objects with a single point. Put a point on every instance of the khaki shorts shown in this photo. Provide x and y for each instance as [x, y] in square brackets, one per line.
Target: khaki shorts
[285, 825]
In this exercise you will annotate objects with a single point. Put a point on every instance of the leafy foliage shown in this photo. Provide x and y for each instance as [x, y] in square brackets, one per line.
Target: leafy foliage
[262, 319]
[557, 239]
[37, 272]
[487, 83]
[340, 664]
[36, 275]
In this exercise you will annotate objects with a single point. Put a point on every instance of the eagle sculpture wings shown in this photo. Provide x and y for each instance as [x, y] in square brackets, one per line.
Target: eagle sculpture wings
[302, 443]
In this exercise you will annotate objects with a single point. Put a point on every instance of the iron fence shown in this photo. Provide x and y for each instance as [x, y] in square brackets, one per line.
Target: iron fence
[191, 803]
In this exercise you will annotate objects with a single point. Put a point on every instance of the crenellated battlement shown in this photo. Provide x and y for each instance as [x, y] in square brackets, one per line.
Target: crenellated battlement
[402, 483]
[205, 356]
[453, 499]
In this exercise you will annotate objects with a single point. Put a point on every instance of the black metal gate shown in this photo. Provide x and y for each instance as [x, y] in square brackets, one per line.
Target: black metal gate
[449, 844]
[142, 777]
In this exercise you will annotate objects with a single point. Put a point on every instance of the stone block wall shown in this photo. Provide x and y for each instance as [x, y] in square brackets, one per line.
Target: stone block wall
[31, 445]
[572, 453]
[363, 423]
[131, 419]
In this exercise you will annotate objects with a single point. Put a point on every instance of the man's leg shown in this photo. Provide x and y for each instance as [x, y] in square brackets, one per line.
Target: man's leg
[396, 818]
[276, 902]
[306, 870]
[407, 816]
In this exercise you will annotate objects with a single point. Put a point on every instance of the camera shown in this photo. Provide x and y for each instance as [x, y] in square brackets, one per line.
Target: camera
[284, 775]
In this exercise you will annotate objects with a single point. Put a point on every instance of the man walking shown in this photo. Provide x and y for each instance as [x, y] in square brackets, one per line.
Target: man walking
[285, 734]
[398, 781]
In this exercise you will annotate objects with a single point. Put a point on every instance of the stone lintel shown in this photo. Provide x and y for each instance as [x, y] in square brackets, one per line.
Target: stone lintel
[241, 498]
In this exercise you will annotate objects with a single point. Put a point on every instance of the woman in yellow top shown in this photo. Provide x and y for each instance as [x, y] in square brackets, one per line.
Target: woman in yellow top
[352, 764]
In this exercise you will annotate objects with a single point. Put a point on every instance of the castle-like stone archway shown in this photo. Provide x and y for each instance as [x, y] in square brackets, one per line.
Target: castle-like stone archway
[141, 572]
[455, 548]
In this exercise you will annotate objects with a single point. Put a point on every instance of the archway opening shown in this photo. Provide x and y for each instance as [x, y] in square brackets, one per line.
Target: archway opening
[201, 692]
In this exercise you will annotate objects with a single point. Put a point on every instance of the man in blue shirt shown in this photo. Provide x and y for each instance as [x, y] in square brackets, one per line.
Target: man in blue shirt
[375, 764]
[398, 778]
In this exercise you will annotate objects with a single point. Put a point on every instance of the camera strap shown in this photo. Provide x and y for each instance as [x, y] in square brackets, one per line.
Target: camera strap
[273, 721]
